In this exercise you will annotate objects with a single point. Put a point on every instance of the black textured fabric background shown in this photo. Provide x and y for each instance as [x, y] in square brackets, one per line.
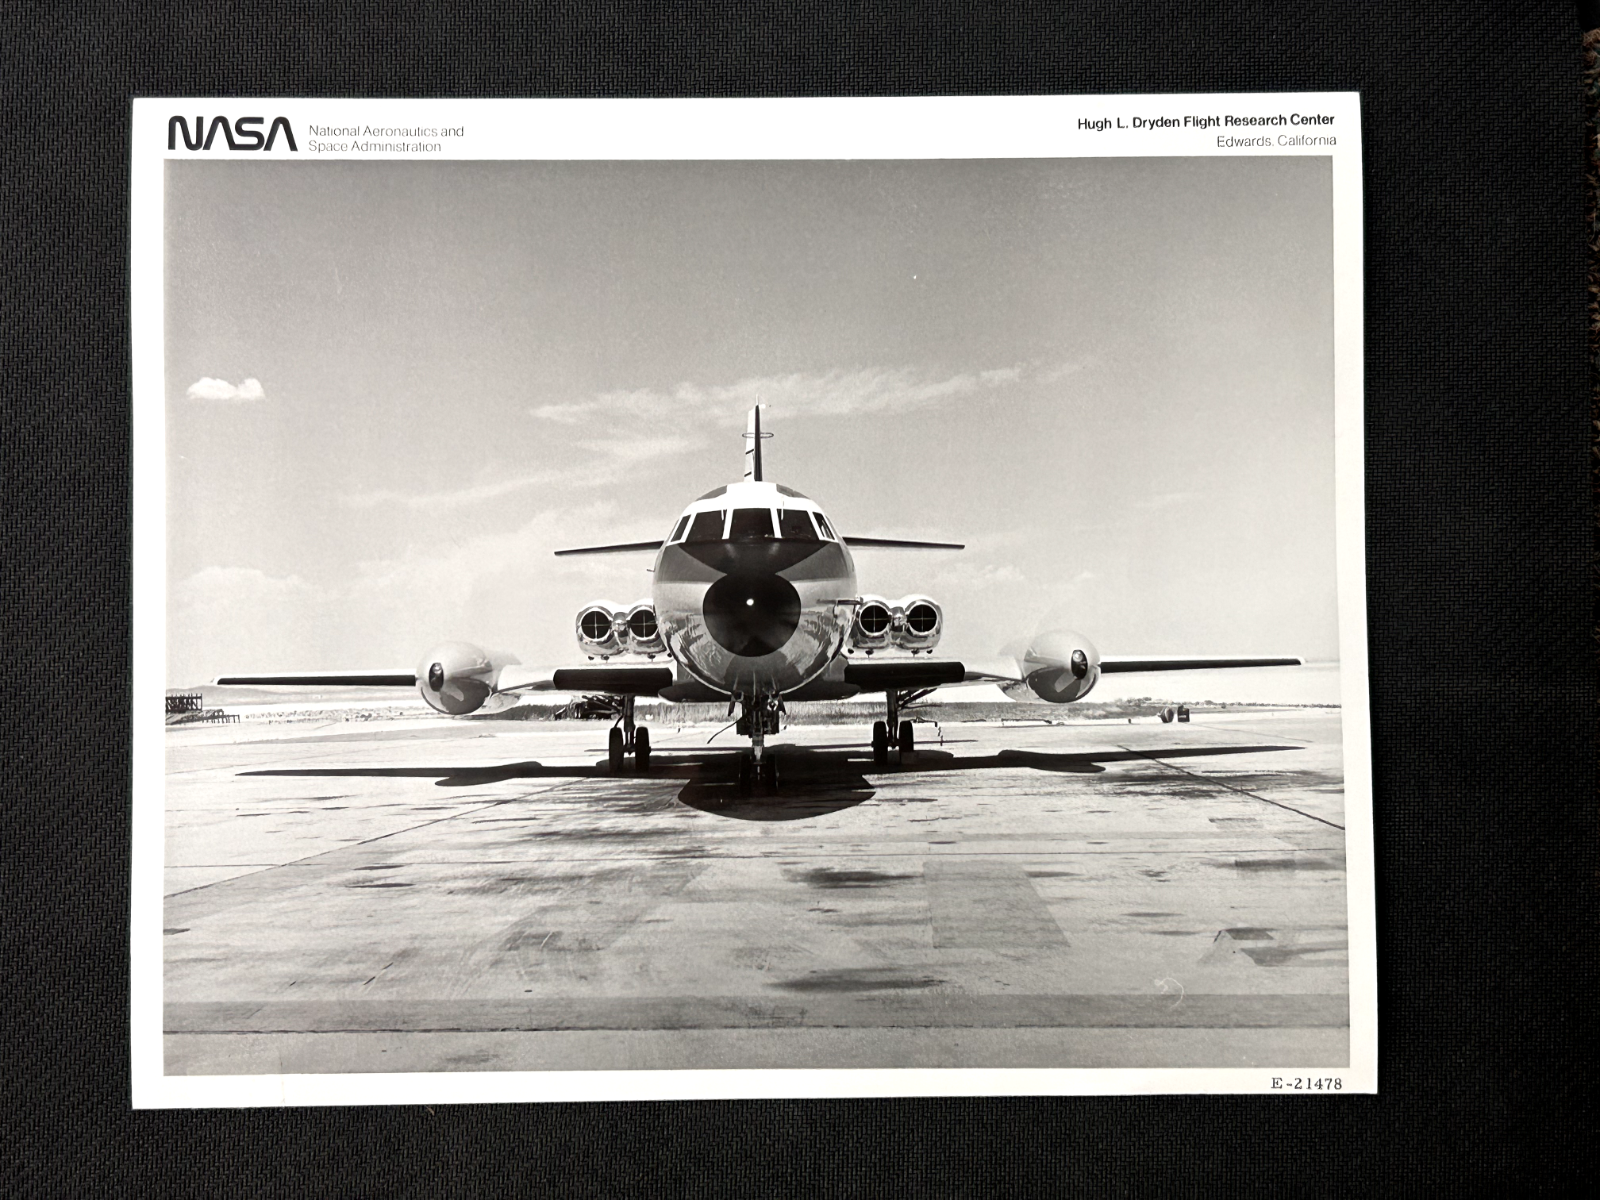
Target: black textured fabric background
[1482, 678]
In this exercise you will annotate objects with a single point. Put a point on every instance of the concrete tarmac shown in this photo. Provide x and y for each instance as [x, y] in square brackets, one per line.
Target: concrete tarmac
[434, 895]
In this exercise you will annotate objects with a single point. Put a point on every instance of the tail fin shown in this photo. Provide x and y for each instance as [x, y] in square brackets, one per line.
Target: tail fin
[752, 452]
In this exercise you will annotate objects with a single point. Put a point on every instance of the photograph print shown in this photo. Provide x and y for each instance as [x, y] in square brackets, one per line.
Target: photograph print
[684, 615]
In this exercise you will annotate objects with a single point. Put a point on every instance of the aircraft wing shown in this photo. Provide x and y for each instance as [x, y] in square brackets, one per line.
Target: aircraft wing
[1110, 666]
[622, 679]
[893, 674]
[320, 679]
[879, 543]
[618, 548]
[459, 679]
[1113, 666]
[901, 544]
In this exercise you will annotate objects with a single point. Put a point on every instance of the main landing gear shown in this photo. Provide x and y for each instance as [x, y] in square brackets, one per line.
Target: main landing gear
[894, 733]
[628, 737]
[758, 717]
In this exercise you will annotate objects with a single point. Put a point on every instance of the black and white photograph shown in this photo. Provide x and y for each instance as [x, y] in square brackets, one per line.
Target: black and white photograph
[886, 617]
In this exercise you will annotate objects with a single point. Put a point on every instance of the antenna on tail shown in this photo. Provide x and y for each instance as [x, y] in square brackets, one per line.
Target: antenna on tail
[752, 452]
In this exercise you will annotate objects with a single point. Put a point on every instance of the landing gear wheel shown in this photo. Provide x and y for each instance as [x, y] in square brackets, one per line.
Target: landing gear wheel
[615, 750]
[908, 744]
[745, 771]
[769, 776]
[641, 749]
[880, 743]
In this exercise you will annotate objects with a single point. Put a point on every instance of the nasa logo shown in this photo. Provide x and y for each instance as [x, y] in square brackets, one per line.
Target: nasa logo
[243, 134]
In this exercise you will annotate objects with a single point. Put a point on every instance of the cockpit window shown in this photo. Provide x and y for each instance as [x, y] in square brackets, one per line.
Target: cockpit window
[677, 534]
[827, 530]
[750, 524]
[707, 527]
[795, 523]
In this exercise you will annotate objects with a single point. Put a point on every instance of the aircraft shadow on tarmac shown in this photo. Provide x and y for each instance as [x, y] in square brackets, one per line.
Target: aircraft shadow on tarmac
[812, 781]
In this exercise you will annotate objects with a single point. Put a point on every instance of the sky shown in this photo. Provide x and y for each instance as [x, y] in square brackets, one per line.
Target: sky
[394, 388]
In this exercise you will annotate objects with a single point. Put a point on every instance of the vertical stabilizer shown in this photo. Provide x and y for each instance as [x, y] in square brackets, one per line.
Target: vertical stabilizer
[752, 452]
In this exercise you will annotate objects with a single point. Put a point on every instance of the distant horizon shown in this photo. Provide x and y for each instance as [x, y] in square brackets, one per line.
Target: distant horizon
[1312, 684]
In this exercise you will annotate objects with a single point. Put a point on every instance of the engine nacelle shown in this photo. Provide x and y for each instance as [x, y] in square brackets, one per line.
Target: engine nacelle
[644, 634]
[1058, 666]
[457, 677]
[602, 629]
[873, 628]
[605, 629]
[917, 622]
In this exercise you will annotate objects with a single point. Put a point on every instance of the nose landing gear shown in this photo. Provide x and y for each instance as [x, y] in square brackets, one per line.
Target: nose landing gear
[757, 718]
[758, 775]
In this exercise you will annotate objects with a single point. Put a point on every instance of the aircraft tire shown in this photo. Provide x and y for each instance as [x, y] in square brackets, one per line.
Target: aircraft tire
[641, 749]
[769, 776]
[745, 765]
[880, 743]
[615, 751]
[908, 739]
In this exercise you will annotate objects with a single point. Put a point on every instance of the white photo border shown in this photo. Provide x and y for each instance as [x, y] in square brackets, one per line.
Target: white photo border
[771, 129]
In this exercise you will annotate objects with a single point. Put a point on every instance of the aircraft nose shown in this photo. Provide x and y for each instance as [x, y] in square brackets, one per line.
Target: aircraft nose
[751, 614]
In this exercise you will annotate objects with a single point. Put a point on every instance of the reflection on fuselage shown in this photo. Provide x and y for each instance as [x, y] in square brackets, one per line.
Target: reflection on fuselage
[747, 590]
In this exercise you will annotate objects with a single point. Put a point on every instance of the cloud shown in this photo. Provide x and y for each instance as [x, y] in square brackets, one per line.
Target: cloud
[246, 619]
[828, 393]
[630, 451]
[210, 584]
[1060, 371]
[977, 576]
[504, 590]
[700, 409]
[220, 390]
[444, 501]
[563, 414]
[615, 458]
[1161, 500]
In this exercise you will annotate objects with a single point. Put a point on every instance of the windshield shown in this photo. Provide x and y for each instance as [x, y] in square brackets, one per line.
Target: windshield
[795, 523]
[707, 527]
[750, 524]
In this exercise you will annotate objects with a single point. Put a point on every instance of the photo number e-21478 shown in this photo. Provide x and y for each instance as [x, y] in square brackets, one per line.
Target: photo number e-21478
[1307, 1083]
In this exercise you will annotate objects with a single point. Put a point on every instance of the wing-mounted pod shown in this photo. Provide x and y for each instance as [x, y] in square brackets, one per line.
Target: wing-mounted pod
[457, 677]
[873, 628]
[644, 634]
[917, 622]
[1058, 666]
[602, 629]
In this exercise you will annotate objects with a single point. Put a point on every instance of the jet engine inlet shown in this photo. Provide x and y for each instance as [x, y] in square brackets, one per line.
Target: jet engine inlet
[874, 624]
[751, 614]
[602, 629]
[644, 634]
[917, 622]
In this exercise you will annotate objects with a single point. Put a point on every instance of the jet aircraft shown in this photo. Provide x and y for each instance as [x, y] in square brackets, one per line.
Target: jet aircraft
[754, 603]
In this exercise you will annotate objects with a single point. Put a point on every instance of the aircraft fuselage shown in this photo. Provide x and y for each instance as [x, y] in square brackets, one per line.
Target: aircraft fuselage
[754, 591]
